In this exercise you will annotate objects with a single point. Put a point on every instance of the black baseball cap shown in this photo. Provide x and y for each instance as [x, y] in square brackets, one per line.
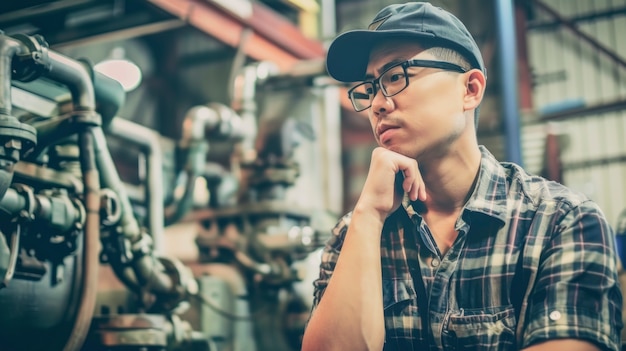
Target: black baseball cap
[348, 54]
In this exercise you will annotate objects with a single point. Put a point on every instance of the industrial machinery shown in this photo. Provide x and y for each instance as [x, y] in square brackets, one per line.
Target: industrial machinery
[67, 218]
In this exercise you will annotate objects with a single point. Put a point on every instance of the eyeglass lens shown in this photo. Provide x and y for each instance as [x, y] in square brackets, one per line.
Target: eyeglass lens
[391, 82]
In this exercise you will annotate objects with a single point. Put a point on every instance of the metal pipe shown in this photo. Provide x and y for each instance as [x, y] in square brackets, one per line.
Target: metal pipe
[195, 124]
[109, 96]
[248, 109]
[57, 212]
[9, 47]
[216, 120]
[92, 238]
[75, 76]
[147, 269]
[150, 273]
[244, 103]
[14, 135]
[197, 121]
[505, 17]
[149, 141]
[111, 179]
[50, 131]
[6, 175]
[77, 79]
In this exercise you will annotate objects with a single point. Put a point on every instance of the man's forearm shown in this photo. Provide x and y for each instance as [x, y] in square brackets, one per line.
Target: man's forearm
[350, 314]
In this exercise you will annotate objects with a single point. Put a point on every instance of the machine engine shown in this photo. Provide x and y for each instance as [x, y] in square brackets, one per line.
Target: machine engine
[69, 224]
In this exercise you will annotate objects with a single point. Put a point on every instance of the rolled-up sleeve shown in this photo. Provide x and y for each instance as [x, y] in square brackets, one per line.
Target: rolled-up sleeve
[576, 292]
[329, 258]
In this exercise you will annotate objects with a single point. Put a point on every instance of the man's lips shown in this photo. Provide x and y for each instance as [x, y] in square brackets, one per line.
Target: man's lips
[383, 128]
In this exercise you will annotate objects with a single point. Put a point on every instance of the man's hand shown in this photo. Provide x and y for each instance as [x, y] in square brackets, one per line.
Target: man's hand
[390, 176]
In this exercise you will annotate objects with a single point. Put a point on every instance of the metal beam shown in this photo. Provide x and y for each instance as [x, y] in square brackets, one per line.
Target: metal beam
[25, 14]
[283, 33]
[572, 27]
[616, 105]
[565, 115]
[304, 5]
[264, 35]
[548, 25]
[121, 34]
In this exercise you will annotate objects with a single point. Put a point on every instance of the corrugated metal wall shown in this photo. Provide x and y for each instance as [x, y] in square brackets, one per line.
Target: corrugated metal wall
[582, 92]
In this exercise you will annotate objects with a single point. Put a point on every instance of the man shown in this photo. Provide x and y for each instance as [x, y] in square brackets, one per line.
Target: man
[446, 248]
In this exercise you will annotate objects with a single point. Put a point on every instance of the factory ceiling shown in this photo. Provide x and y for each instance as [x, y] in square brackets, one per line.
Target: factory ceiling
[267, 28]
[188, 49]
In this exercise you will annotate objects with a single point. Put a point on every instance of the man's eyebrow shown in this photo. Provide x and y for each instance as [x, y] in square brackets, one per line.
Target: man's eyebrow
[385, 67]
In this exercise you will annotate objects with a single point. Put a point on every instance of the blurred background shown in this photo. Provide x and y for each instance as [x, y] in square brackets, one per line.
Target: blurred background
[170, 169]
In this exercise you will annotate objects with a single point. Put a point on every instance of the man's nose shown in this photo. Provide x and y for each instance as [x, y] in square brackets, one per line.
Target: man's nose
[381, 103]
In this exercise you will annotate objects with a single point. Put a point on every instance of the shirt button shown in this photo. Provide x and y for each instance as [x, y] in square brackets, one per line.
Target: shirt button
[434, 262]
[555, 315]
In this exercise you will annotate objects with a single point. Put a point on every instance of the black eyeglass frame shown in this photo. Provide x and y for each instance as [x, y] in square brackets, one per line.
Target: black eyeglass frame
[447, 66]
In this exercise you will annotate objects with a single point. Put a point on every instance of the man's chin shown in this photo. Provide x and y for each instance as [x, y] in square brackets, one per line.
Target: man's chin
[399, 150]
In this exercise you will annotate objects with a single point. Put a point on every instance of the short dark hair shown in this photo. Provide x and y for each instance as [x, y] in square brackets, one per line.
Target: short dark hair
[449, 55]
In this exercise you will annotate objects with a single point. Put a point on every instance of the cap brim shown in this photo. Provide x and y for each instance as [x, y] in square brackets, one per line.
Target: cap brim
[348, 55]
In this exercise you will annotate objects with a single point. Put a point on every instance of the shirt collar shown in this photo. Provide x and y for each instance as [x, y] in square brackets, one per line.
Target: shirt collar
[490, 193]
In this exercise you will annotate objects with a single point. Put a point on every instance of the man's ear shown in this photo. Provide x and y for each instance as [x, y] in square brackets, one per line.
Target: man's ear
[474, 89]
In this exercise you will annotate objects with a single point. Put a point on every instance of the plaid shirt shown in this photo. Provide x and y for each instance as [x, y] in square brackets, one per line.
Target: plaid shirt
[533, 261]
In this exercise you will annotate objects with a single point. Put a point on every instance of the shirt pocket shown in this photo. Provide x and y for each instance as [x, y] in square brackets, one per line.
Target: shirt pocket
[490, 328]
[397, 293]
[401, 315]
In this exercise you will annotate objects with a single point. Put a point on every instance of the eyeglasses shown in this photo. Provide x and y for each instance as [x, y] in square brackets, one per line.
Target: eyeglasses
[392, 81]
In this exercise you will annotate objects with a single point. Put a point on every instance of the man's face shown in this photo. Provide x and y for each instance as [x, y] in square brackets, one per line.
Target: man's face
[424, 118]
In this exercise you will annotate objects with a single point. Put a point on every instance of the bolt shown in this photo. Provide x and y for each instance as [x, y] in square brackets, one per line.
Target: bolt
[13, 144]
